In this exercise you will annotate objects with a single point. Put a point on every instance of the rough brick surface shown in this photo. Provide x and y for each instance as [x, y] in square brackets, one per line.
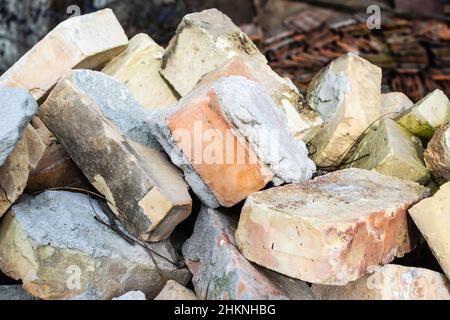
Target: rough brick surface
[390, 282]
[55, 169]
[221, 272]
[331, 230]
[175, 291]
[347, 95]
[15, 171]
[143, 188]
[17, 107]
[432, 217]
[138, 68]
[426, 115]
[437, 155]
[86, 41]
[230, 141]
[393, 151]
[393, 104]
[206, 40]
[54, 244]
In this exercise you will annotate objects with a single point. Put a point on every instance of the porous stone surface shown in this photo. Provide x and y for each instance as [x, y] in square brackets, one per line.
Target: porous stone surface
[393, 104]
[232, 141]
[86, 41]
[54, 244]
[16, 169]
[17, 107]
[206, 40]
[393, 151]
[137, 68]
[331, 230]
[132, 295]
[116, 103]
[262, 125]
[143, 188]
[175, 291]
[347, 96]
[432, 217]
[390, 282]
[437, 155]
[426, 115]
[221, 272]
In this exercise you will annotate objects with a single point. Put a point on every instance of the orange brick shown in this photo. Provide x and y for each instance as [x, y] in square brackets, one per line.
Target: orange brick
[229, 181]
[233, 67]
[229, 138]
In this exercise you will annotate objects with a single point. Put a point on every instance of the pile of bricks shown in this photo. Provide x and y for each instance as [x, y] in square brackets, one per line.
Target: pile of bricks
[414, 54]
[131, 171]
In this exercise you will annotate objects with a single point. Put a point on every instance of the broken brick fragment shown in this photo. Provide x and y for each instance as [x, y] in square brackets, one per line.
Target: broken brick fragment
[221, 272]
[230, 140]
[105, 135]
[87, 41]
[331, 230]
[390, 282]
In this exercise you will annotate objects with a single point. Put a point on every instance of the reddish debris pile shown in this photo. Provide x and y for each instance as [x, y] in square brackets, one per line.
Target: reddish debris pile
[415, 55]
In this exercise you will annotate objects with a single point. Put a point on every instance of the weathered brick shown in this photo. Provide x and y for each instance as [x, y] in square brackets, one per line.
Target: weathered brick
[426, 115]
[331, 230]
[138, 68]
[230, 140]
[55, 169]
[437, 155]
[15, 171]
[55, 245]
[87, 41]
[390, 282]
[102, 127]
[432, 217]
[347, 95]
[175, 291]
[393, 151]
[206, 40]
[393, 104]
[221, 272]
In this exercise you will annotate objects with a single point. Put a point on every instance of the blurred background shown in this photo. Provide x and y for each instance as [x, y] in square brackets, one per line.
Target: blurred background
[298, 37]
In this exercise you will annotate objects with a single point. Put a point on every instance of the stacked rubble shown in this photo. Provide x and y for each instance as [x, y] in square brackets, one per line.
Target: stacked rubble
[98, 170]
[412, 53]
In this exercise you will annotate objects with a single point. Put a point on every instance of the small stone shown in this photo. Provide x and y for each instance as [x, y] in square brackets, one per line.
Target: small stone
[230, 141]
[15, 171]
[17, 107]
[432, 217]
[394, 104]
[393, 151]
[83, 42]
[390, 282]
[175, 291]
[331, 230]
[102, 128]
[132, 295]
[14, 293]
[427, 115]
[206, 40]
[347, 95]
[138, 68]
[55, 245]
[437, 155]
[220, 272]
